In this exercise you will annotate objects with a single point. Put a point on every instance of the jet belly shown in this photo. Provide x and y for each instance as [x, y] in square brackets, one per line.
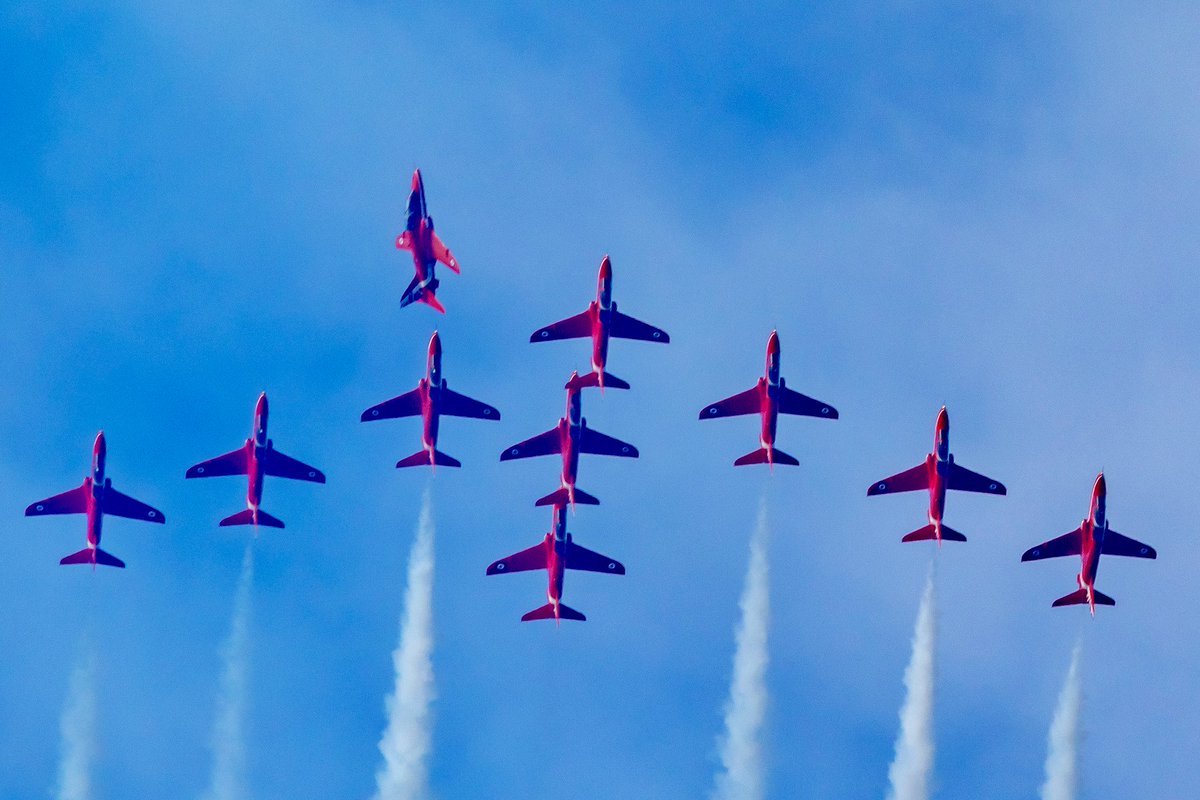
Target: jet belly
[555, 570]
[570, 455]
[95, 518]
[430, 418]
[601, 319]
[937, 490]
[255, 490]
[770, 418]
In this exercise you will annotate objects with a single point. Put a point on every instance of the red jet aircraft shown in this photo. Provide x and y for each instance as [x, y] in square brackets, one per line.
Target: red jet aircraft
[1089, 541]
[570, 437]
[555, 554]
[95, 497]
[257, 458]
[599, 322]
[937, 473]
[769, 398]
[430, 399]
[426, 248]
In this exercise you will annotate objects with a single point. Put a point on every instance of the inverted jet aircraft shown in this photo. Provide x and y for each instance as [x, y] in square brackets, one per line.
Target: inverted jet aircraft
[556, 553]
[769, 398]
[570, 437]
[599, 322]
[257, 458]
[937, 473]
[1089, 541]
[95, 497]
[430, 400]
[426, 248]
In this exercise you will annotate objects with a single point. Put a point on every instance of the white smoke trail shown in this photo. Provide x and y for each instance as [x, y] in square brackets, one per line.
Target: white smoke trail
[912, 766]
[406, 741]
[228, 780]
[741, 777]
[78, 731]
[1062, 759]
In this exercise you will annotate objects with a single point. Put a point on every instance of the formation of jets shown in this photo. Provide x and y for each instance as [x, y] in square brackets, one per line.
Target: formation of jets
[557, 552]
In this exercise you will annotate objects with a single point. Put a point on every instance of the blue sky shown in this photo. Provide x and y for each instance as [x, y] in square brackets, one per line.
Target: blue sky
[989, 208]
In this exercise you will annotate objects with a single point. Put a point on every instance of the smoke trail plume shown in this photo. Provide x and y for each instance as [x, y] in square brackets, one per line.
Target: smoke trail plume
[741, 777]
[1062, 759]
[910, 771]
[78, 731]
[406, 741]
[228, 780]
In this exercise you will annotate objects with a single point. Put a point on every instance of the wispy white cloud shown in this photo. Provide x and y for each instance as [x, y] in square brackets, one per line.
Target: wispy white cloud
[742, 775]
[406, 741]
[228, 781]
[78, 730]
[1062, 757]
[912, 766]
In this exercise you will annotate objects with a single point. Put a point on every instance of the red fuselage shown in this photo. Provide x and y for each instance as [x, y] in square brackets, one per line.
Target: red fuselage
[937, 463]
[94, 486]
[768, 390]
[1092, 541]
[254, 447]
[418, 233]
[427, 386]
[569, 429]
[600, 310]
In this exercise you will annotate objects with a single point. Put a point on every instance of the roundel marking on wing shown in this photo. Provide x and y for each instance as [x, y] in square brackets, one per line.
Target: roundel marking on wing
[1145, 550]
[824, 409]
[312, 473]
[514, 451]
[374, 412]
[39, 507]
[612, 565]
[992, 487]
[487, 412]
[657, 334]
[499, 565]
[151, 514]
[625, 449]
[199, 470]
[882, 487]
[1037, 551]
[543, 334]
[713, 409]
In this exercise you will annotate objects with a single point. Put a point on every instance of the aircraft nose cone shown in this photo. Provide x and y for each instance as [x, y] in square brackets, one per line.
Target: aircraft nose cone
[261, 405]
[1101, 487]
[435, 343]
[416, 181]
[943, 420]
[605, 268]
[773, 343]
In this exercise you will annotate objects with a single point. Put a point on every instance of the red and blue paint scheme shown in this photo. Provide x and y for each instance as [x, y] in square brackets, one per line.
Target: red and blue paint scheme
[937, 473]
[556, 553]
[426, 248]
[1092, 539]
[570, 437]
[256, 459]
[769, 398]
[600, 322]
[95, 497]
[430, 400]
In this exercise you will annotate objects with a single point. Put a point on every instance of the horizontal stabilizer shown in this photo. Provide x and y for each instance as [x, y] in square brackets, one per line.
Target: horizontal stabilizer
[765, 456]
[421, 458]
[1079, 598]
[89, 555]
[593, 379]
[547, 612]
[248, 517]
[920, 535]
[561, 497]
[951, 535]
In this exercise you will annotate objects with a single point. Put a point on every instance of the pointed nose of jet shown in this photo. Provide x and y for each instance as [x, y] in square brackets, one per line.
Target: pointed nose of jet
[435, 345]
[943, 420]
[416, 182]
[1101, 487]
[260, 407]
[606, 268]
[98, 447]
[773, 344]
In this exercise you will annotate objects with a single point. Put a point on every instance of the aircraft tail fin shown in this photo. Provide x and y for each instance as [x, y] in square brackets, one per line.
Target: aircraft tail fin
[561, 497]
[93, 556]
[930, 532]
[422, 458]
[592, 380]
[249, 517]
[547, 612]
[764, 456]
[1079, 597]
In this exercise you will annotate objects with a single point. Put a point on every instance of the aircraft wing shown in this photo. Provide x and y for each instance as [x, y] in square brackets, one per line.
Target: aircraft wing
[624, 326]
[543, 444]
[910, 480]
[404, 241]
[528, 559]
[964, 480]
[406, 405]
[1069, 544]
[72, 501]
[1117, 545]
[792, 402]
[747, 402]
[118, 504]
[443, 254]
[578, 557]
[232, 463]
[276, 463]
[576, 327]
[600, 444]
[459, 405]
